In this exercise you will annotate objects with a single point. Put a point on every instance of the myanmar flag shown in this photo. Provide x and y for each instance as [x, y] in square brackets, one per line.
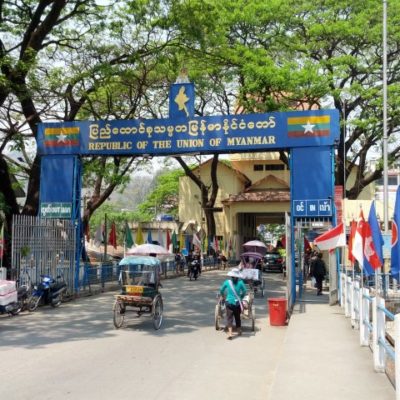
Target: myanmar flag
[61, 137]
[309, 126]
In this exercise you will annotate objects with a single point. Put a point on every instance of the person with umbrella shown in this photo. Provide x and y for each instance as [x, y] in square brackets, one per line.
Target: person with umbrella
[233, 290]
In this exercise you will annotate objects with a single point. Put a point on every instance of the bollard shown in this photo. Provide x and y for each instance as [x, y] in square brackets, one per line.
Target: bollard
[364, 328]
[378, 320]
[397, 354]
[348, 298]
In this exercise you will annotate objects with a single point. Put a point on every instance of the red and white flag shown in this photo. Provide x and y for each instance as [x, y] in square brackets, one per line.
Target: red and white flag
[335, 237]
[363, 246]
[196, 241]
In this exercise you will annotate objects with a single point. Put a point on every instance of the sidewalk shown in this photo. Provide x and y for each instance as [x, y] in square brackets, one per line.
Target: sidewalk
[322, 358]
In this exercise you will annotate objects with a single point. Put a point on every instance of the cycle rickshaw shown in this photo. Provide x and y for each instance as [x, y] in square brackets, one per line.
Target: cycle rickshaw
[140, 281]
[248, 311]
[252, 263]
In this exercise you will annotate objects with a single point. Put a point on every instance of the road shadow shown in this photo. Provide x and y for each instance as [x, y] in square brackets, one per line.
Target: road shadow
[188, 306]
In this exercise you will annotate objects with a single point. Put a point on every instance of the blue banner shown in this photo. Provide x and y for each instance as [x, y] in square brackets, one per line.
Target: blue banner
[182, 135]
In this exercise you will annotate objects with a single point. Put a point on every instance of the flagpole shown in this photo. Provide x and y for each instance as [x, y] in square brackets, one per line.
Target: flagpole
[105, 238]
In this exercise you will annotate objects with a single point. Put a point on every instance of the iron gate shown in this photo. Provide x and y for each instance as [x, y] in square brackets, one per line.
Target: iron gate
[43, 246]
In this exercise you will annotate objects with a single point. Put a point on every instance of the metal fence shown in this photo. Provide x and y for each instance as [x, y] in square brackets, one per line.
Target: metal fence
[373, 310]
[42, 246]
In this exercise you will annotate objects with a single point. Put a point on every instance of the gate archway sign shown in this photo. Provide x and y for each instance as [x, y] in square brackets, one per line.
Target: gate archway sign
[308, 136]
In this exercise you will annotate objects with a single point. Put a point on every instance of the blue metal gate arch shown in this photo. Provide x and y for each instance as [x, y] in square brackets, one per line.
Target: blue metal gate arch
[309, 136]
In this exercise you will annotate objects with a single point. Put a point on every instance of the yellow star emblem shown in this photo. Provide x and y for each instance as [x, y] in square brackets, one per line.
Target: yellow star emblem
[181, 99]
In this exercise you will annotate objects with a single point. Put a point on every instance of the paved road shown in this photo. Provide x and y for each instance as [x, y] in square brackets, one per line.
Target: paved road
[74, 352]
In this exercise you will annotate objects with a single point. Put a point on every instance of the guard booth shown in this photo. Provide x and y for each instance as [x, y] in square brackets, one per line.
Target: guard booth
[308, 137]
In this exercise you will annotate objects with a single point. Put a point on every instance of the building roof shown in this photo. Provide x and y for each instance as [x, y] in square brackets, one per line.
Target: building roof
[268, 179]
[255, 197]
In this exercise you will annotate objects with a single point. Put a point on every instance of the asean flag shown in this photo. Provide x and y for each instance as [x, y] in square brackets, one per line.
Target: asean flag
[395, 251]
[331, 239]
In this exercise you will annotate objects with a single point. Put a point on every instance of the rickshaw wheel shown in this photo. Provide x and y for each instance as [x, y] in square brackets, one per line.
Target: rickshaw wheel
[217, 316]
[253, 318]
[119, 314]
[157, 312]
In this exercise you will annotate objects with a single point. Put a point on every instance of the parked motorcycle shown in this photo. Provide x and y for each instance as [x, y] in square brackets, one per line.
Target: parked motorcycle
[49, 291]
[194, 269]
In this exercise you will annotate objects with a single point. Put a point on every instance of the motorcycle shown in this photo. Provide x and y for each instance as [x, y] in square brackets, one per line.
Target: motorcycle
[49, 291]
[194, 269]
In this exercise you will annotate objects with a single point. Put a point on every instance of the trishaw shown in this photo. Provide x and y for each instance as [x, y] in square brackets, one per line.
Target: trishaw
[251, 262]
[140, 281]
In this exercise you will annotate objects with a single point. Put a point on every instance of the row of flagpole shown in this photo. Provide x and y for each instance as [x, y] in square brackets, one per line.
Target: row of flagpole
[365, 244]
[178, 242]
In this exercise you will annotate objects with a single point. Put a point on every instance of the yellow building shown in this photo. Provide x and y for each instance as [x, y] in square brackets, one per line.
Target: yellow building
[254, 189]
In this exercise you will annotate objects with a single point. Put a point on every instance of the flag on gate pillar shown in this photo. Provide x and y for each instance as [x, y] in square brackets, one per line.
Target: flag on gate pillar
[331, 239]
[395, 250]
[112, 238]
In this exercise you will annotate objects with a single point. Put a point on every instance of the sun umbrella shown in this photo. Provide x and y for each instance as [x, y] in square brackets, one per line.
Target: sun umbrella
[147, 249]
[256, 245]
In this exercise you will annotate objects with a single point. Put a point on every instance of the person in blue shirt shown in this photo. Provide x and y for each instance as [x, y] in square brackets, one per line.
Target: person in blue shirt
[233, 290]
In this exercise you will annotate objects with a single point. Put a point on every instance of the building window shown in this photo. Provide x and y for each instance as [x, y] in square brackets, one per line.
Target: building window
[274, 167]
[392, 181]
[258, 167]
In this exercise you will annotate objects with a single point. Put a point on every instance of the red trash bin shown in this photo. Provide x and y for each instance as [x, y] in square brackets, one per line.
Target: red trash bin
[277, 311]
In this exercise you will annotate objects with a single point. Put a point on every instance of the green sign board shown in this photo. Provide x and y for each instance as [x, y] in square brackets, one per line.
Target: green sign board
[56, 210]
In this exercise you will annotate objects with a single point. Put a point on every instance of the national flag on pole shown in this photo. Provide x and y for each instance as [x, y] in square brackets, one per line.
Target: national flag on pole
[149, 237]
[353, 228]
[332, 239]
[112, 238]
[169, 241]
[2, 241]
[196, 241]
[181, 241]
[128, 236]
[395, 251]
[377, 239]
[139, 235]
[363, 247]
[174, 241]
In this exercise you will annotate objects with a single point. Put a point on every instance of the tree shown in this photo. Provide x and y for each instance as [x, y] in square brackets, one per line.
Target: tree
[72, 60]
[282, 55]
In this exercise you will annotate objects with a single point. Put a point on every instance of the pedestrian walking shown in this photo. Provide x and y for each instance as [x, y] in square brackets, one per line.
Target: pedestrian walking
[318, 271]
